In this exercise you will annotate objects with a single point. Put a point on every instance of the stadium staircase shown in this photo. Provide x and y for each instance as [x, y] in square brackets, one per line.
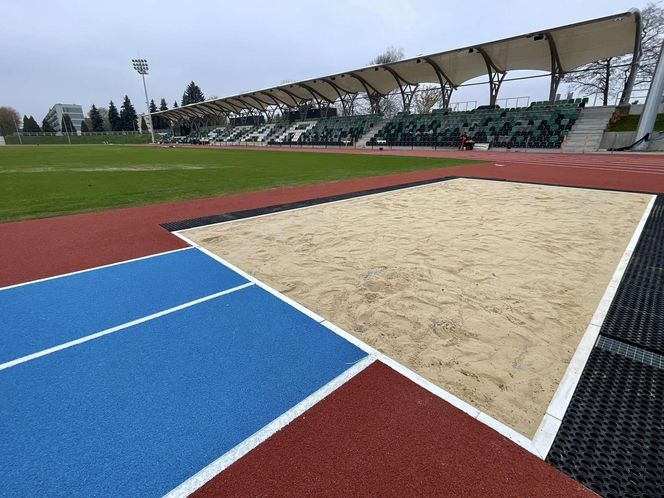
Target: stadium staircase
[260, 133]
[377, 125]
[293, 132]
[338, 130]
[586, 134]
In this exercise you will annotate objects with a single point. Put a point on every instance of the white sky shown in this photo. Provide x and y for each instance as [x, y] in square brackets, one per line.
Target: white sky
[56, 51]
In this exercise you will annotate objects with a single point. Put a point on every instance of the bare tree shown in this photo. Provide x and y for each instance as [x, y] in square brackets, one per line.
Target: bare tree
[379, 104]
[597, 77]
[609, 76]
[9, 120]
[652, 35]
[426, 98]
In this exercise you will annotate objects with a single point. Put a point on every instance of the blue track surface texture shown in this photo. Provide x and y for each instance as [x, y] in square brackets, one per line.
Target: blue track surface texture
[137, 412]
[45, 314]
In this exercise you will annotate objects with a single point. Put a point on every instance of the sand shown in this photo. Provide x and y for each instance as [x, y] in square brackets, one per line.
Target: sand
[484, 288]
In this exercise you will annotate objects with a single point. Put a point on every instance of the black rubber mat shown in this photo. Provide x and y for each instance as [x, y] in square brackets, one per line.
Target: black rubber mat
[174, 226]
[636, 315]
[612, 436]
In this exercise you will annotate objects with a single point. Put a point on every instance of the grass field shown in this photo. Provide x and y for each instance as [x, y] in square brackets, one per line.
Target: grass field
[36, 182]
[629, 123]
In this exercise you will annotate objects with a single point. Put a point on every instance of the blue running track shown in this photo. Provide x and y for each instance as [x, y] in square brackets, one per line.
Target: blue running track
[137, 412]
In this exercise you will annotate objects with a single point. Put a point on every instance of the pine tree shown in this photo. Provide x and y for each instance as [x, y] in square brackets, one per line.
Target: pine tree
[84, 127]
[35, 125]
[163, 106]
[128, 116]
[144, 126]
[26, 124]
[156, 120]
[175, 104]
[192, 94]
[96, 121]
[113, 117]
[30, 125]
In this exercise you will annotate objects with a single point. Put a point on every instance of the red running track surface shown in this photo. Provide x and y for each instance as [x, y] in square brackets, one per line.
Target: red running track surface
[52, 246]
[382, 435]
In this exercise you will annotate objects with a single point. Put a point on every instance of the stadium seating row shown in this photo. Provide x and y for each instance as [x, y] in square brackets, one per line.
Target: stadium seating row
[540, 125]
[339, 130]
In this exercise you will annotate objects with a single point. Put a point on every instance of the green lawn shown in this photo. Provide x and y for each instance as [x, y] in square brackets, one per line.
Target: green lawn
[42, 181]
[629, 123]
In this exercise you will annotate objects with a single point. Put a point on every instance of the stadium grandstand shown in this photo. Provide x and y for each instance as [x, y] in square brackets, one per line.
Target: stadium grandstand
[321, 111]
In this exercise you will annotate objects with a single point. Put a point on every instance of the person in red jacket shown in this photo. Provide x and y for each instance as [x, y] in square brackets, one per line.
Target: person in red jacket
[462, 141]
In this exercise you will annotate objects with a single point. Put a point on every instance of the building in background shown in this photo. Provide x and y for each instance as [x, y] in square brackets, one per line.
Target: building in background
[75, 111]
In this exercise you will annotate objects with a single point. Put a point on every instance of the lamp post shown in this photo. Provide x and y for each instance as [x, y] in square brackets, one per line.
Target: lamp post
[141, 66]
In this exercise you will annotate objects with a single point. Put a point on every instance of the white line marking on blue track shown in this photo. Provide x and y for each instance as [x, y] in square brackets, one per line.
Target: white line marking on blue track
[118, 328]
[231, 456]
[94, 268]
[482, 417]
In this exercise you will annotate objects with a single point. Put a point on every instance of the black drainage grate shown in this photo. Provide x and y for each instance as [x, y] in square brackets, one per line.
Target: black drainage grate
[612, 437]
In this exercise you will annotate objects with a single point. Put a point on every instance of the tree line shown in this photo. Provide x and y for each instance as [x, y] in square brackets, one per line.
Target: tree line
[99, 119]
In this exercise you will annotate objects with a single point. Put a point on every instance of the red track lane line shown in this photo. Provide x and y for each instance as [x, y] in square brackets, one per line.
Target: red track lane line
[382, 435]
[43, 248]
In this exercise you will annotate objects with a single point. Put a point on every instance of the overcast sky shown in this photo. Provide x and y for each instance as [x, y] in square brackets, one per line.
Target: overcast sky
[56, 51]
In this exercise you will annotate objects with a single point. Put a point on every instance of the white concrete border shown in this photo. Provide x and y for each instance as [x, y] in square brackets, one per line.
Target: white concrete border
[501, 428]
[541, 443]
[555, 412]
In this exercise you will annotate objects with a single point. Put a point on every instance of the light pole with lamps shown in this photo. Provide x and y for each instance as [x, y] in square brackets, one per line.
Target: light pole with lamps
[141, 66]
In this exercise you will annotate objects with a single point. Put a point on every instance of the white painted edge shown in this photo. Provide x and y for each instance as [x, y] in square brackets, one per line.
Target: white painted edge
[499, 427]
[228, 458]
[545, 434]
[548, 428]
[434, 181]
[541, 443]
[251, 278]
[30, 282]
[118, 328]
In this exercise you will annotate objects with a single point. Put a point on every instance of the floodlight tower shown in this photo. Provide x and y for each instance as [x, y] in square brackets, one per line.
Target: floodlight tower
[141, 66]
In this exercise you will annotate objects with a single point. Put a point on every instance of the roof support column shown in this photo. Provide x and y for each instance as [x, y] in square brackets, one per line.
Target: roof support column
[557, 72]
[446, 86]
[348, 104]
[651, 106]
[406, 88]
[636, 60]
[347, 98]
[496, 76]
[373, 95]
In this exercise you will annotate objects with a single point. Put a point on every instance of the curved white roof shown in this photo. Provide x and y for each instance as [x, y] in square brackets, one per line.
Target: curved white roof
[559, 49]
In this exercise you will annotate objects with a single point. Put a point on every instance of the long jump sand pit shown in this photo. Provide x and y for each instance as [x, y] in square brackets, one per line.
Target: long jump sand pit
[484, 288]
